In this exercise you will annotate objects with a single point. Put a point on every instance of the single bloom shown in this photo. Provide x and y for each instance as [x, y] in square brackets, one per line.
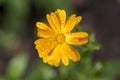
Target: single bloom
[56, 38]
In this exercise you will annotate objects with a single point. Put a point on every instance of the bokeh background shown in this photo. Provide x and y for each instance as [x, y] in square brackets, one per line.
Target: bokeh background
[100, 58]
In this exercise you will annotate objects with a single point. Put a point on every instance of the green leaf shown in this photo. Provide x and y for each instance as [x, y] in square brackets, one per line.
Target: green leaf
[41, 71]
[2, 77]
[17, 66]
[111, 69]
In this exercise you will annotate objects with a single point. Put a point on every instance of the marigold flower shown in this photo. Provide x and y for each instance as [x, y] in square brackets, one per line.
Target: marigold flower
[56, 38]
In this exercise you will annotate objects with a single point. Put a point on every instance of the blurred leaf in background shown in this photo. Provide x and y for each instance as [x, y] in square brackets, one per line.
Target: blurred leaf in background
[41, 71]
[17, 66]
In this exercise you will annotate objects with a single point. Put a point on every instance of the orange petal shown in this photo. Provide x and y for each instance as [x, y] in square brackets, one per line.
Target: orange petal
[45, 46]
[65, 60]
[61, 14]
[71, 23]
[54, 22]
[70, 52]
[77, 38]
[54, 57]
[44, 30]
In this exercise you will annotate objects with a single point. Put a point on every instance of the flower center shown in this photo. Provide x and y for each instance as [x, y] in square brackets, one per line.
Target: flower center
[60, 38]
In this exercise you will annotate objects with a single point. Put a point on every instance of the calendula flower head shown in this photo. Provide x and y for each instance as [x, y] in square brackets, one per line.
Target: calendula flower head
[56, 38]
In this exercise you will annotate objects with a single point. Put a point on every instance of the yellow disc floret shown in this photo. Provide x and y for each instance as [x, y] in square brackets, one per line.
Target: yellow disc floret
[60, 38]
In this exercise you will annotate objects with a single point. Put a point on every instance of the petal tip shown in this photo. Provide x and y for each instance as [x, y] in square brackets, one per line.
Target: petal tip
[38, 24]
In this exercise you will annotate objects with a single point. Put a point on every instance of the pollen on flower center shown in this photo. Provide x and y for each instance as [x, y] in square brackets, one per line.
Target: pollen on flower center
[60, 38]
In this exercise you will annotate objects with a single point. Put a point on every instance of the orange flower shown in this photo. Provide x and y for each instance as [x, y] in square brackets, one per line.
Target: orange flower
[55, 37]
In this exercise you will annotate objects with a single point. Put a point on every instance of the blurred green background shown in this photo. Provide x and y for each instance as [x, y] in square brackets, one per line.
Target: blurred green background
[100, 58]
